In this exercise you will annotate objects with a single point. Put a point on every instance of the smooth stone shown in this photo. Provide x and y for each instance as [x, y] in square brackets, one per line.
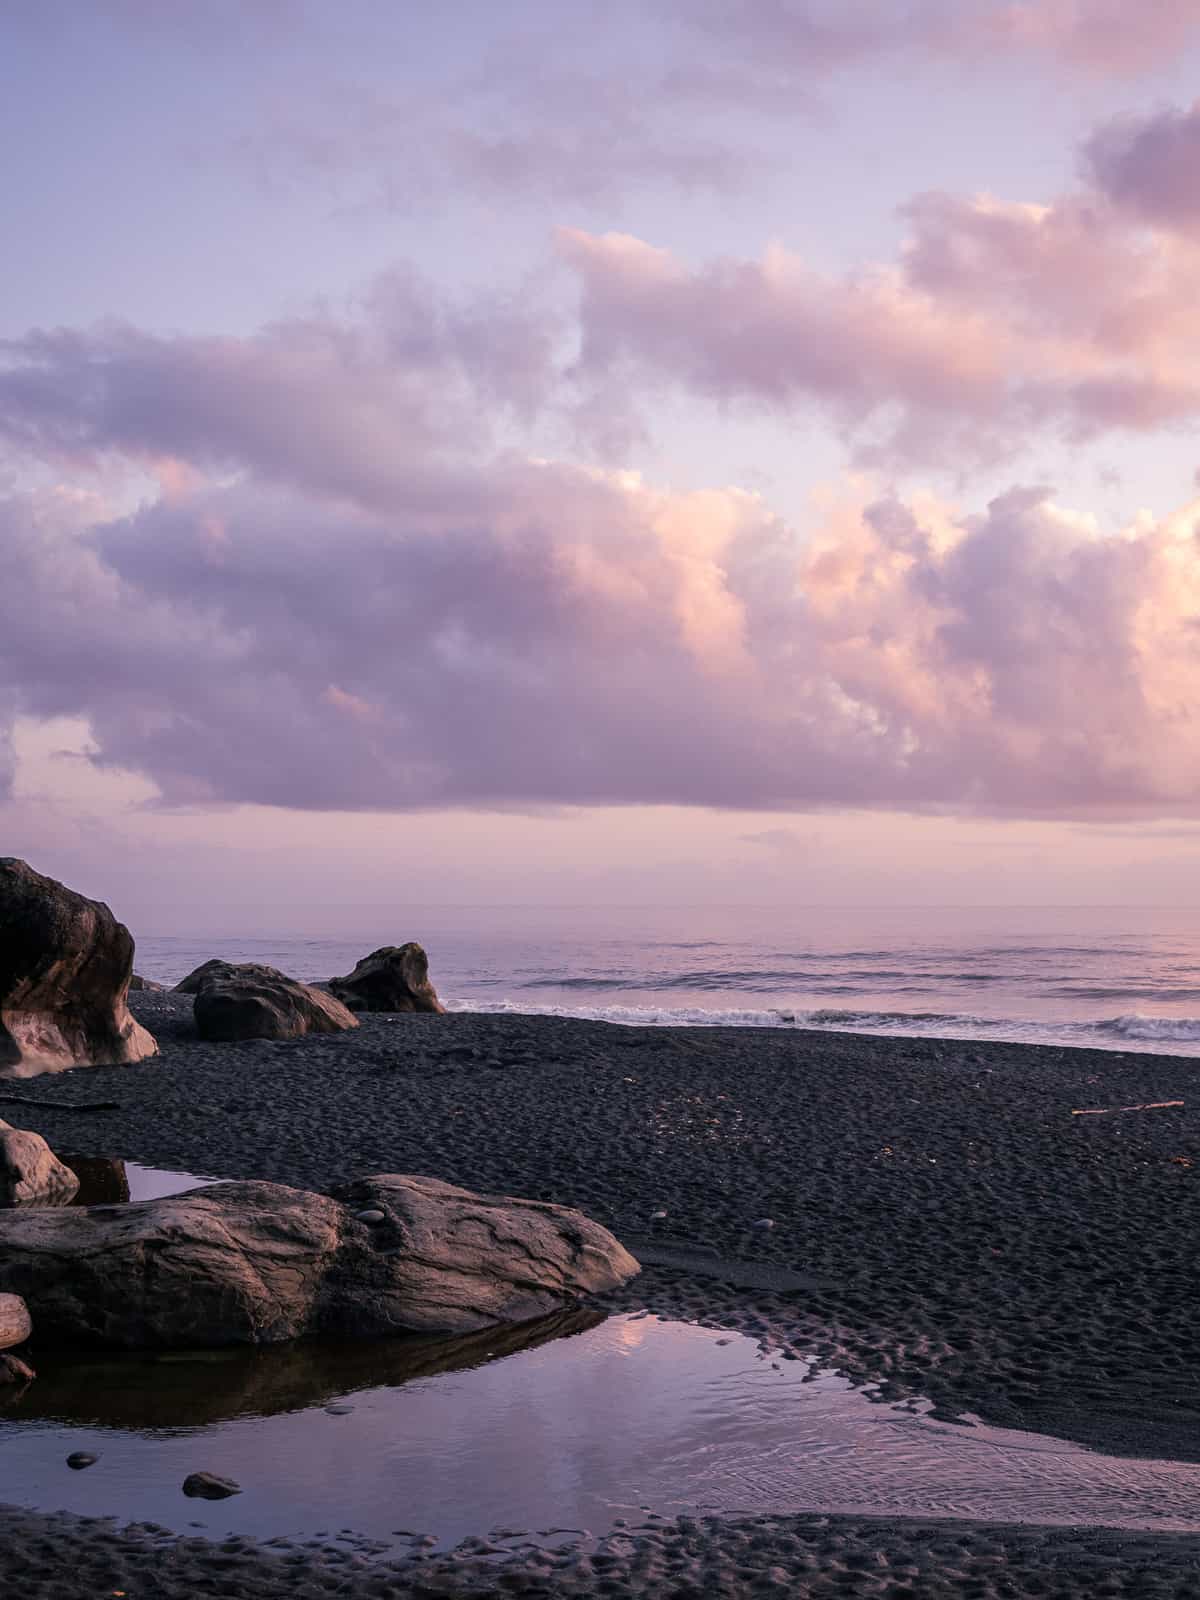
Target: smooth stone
[16, 1325]
[79, 1459]
[207, 1486]
[372, 1215]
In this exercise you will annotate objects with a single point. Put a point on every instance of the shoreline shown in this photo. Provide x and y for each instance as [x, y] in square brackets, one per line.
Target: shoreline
[943, 1226]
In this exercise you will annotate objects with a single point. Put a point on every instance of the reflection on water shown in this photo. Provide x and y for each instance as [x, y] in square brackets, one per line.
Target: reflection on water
[106, 1180]
[585, 1419]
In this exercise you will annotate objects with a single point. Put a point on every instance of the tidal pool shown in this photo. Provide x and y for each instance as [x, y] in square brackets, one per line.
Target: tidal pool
[567, 1424]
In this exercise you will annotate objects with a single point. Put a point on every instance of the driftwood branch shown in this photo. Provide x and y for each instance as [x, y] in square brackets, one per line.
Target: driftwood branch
[1150, 1105]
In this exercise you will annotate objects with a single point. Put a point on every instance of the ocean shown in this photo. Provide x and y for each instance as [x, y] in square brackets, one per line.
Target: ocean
[1110, 977]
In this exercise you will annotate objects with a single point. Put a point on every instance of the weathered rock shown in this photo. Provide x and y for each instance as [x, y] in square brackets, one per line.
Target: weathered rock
[15, 1371]
[65, 966]
[16, 1325]
[255, 1263]
[30, 1172]
[147, 985]
[80, 1460]
[394, 978]
[208, 1486]
[208, 970]
[247, 1005]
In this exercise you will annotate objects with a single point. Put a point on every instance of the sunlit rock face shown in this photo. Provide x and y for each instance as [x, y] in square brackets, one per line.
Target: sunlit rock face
[65, 967]
[258, 1263]
[30, 1172]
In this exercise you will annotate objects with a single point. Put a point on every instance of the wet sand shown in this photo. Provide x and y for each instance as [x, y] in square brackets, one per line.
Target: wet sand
[942, 1226]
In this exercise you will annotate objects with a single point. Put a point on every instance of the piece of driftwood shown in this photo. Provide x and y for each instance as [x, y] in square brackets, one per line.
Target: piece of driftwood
[1150, 1105]
[62, 1105]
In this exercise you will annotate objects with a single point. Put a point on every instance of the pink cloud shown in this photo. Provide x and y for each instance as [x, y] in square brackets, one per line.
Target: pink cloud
[994, 318]
[363, 602]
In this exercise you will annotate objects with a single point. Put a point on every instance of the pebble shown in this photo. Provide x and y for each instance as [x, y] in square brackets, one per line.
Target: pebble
[208, 1486]
[764, 1224]
[78, 1459]
[371, 1215]
[339, 1410]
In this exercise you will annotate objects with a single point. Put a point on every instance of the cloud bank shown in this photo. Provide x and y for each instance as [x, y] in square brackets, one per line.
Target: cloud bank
[344, 596]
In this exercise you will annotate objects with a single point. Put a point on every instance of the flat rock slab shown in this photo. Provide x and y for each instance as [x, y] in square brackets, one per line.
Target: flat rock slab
[257, 1263]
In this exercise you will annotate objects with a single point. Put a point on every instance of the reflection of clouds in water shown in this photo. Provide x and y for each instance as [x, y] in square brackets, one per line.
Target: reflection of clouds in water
[629, 1412]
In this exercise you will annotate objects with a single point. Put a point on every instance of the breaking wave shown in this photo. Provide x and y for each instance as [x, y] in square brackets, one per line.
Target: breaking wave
[1169, 1034]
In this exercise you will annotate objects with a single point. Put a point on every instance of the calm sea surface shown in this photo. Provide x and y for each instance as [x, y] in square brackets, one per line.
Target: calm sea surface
[1121, 978]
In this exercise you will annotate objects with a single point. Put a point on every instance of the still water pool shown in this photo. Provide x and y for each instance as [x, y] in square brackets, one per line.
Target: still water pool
[567, 1424]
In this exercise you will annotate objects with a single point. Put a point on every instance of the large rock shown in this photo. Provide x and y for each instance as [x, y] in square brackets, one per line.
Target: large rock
[30, 1172]
[394, 978]
[255, 1263]
[216, 968]
[245, 1004]
[145, 985]
[65, 965]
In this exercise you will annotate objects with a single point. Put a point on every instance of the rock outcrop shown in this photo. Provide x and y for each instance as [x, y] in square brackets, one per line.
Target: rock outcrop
[65, 966]
[30, 1172]
[246, 1003]
[147, 985]
[256, 1263]
[394, 978]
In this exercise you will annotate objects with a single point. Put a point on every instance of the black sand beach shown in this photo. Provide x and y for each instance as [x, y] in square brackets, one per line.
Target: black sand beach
[943, 1227]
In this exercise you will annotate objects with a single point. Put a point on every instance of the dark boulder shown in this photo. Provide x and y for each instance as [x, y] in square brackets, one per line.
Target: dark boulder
[65, 966]
[248, 1005]
[394, 978]
[216, 968]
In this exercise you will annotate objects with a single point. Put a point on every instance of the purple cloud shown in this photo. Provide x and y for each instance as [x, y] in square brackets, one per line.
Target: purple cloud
[540, 634]
[1148, 166]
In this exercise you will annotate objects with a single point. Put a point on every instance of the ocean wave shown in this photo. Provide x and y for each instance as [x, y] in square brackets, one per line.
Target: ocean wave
[1111, 1033]
[1134, 1026]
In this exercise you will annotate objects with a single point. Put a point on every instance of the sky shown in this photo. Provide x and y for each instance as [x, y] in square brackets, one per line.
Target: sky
[631, 453]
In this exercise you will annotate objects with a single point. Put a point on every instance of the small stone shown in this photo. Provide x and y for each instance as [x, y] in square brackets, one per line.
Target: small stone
[371, 1215]
[657, 1216]
[764, 1224]
[339, 1410]
[78, 1459]
[207, 1486]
